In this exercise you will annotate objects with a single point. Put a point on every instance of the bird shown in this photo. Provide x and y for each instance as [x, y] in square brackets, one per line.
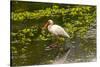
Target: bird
[55, 29]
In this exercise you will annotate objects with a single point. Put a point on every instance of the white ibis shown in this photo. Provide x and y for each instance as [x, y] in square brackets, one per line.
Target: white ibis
[55, 29]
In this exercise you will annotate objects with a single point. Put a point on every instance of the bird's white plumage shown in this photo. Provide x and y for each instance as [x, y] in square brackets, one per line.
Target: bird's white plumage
[57, 30]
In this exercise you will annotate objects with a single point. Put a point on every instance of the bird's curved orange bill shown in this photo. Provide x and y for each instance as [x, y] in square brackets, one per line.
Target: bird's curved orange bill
[45, 26]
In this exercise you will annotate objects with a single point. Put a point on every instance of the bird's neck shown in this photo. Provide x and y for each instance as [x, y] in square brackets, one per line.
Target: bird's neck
[49, 26]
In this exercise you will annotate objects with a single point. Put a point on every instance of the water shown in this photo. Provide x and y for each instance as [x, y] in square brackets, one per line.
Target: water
[39, 52]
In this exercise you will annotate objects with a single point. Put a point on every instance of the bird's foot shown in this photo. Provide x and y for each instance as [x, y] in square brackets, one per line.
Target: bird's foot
[52, 46]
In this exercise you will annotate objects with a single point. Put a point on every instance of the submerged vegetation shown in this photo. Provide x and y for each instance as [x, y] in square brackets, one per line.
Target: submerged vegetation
[28, 40]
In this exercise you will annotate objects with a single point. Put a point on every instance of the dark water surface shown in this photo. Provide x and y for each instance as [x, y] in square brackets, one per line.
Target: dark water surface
[81, 50]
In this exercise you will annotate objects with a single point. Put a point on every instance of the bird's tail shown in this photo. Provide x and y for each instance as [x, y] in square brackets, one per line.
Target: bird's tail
[67, 35]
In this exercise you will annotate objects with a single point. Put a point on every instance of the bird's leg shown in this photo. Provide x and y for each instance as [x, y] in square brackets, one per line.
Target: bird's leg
[54, 38]
[53, 42]
[57, 41]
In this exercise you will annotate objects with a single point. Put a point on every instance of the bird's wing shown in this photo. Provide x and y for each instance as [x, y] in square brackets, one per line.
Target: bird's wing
[59, 30]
